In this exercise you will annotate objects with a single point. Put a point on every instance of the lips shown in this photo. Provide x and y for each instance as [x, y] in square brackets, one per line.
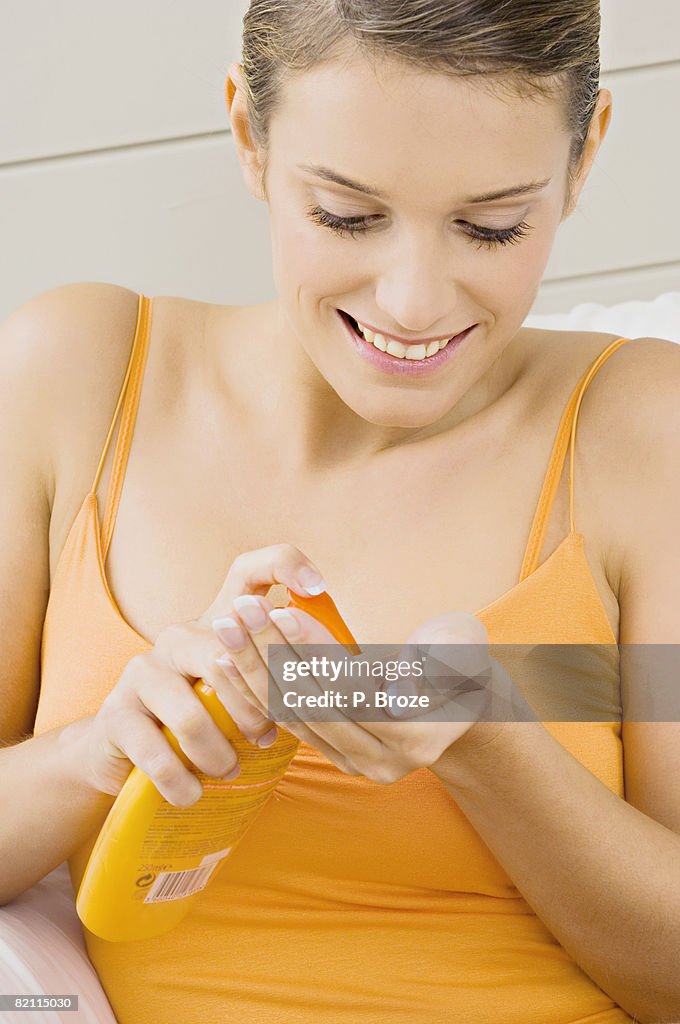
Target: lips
[388, 337]
[398, 366]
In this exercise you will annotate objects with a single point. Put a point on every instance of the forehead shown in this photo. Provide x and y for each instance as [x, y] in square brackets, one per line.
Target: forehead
[392, 120]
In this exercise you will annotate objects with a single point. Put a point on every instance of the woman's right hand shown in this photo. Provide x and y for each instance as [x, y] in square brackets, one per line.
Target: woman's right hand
[157, 688]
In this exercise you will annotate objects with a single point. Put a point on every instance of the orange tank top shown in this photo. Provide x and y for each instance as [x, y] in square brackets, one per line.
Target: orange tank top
[350, 902]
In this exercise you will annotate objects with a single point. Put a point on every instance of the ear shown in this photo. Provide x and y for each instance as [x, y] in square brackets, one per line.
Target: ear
[248, 154]
[599, 126]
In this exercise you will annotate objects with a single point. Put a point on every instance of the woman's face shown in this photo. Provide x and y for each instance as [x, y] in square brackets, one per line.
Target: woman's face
[429, 256]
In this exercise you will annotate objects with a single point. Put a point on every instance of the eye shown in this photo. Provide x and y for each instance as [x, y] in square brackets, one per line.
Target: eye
[491, 237]
[488, 238]
[342, 225]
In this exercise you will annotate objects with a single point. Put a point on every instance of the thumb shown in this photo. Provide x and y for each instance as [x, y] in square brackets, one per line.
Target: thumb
[455, 648]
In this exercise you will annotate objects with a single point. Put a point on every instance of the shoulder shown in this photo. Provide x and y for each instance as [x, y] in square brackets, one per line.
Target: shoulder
[63, 353]
[53, 320]
[58, 338]
[628, 424]
[634, 401]
[650, 564]
[633, 416]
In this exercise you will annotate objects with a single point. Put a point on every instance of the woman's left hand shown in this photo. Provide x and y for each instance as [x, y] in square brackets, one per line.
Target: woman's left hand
[385, 748]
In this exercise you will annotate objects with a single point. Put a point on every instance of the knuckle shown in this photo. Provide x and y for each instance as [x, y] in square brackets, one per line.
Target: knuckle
[222, 760]
[247, 718]
[191, 721]
[163, 767]
[240, 559]
[120, 699]
[135, 665]
[249, 665]
[289, 552]
[282, 550]
[136, 669]
[278, 555]
[169, 638]
[240, 567]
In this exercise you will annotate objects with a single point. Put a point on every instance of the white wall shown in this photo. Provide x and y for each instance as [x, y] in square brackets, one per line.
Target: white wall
[116, 162]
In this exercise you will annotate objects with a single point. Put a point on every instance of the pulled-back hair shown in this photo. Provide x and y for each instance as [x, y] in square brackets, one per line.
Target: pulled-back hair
[544, 47]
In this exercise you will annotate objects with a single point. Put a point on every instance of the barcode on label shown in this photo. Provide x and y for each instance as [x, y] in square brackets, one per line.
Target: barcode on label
[175, 885]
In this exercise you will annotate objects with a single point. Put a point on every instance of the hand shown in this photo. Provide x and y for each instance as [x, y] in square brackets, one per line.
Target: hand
[156, 689]
[385, 749]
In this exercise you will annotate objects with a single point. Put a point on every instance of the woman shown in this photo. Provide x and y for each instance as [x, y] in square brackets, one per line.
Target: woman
[417, 159]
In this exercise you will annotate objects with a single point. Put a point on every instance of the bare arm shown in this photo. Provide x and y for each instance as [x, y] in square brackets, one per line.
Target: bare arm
[48, 809]
[46, 348]
[57, 788]
[601, 875]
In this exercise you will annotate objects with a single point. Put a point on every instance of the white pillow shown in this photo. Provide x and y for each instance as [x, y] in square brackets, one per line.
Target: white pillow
[656, 318]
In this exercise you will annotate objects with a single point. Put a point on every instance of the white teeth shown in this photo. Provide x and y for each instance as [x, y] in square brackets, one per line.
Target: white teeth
[395, 348]
[416, 352]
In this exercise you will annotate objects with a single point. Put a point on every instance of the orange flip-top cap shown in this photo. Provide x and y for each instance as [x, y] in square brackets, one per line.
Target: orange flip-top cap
[324, 610]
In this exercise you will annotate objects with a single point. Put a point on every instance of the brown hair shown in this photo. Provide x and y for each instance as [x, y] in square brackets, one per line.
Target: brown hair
[544, 47]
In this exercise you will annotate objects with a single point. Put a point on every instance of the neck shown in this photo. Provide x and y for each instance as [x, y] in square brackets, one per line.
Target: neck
[296, 412]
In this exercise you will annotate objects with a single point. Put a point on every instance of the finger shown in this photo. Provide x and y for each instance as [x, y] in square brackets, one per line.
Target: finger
[259, 729]
[255, 572]
[451, 671]
[145, 745]
[172, 700]
[250, 680]
[332, 738]
[192, 657]
[451, 663]
[335, 722]
[297, 728]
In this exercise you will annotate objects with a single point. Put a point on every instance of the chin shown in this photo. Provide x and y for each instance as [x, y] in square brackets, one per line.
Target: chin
[405, 418]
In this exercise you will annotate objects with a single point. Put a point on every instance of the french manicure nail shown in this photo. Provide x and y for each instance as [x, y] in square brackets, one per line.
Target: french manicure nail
[311, 581]
[251, 611]
[287, 623]
[227, 665]
[230, 633]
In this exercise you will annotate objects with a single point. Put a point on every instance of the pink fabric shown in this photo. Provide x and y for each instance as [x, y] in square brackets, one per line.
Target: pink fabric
[42, 951]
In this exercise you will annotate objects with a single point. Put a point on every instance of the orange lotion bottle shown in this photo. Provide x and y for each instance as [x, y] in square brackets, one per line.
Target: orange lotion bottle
[151, 858]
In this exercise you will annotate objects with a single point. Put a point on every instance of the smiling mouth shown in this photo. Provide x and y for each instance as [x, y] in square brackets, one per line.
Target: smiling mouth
[415, 350]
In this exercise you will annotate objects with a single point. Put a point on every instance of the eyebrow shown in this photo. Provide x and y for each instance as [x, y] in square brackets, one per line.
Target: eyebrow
[486, 197]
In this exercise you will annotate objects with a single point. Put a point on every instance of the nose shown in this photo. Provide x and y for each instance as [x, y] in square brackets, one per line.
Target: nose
[417, 289]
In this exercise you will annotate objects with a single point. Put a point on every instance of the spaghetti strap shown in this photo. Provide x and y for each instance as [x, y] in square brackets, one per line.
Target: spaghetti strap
[128, 399]
[566, 431]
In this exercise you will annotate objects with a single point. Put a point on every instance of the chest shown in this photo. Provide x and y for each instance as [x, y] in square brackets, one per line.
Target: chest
[421, 531]
[397, 544]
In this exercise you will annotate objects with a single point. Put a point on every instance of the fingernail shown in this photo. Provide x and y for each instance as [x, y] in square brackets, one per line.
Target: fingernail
[234, 773]
[251, 611]
[230, 633]
[311, 581]
[227, 665]
[269, 738]
[287, 623]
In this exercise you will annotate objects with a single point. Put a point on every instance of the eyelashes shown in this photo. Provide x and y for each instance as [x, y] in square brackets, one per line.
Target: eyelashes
[485, 237]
